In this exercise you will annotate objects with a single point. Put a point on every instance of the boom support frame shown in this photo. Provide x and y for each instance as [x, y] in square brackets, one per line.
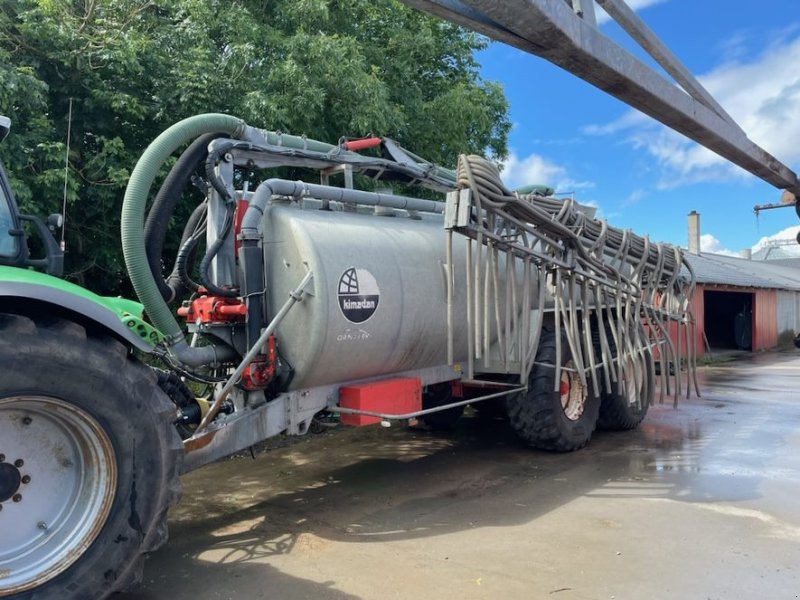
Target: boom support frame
[565, 33]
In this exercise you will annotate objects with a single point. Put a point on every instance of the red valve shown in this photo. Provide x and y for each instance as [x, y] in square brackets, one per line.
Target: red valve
[258, 374]
[232, 309]
[214, 309]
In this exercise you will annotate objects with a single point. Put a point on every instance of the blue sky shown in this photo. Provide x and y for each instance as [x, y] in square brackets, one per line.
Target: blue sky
[641, 175]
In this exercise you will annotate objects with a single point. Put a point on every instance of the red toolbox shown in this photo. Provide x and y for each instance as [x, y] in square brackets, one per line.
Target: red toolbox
[390, 396]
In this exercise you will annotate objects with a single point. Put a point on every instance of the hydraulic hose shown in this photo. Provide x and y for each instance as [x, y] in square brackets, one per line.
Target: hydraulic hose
[210, 163]
[205, 264]
[132, 230]
[155, 229]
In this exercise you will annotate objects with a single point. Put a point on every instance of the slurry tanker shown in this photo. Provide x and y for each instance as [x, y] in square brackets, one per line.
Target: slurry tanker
[377, 287]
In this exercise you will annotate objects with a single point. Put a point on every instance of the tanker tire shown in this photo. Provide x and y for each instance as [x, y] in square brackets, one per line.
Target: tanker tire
[621, 413]
[538, 416]
[439, 394]
[60, 381]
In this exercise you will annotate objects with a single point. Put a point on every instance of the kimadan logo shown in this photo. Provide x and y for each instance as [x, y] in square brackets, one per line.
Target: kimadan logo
[358, 295]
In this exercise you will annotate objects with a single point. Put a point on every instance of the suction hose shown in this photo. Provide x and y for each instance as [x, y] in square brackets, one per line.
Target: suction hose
[133, 210]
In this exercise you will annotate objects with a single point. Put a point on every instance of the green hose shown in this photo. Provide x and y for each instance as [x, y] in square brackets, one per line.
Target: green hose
[133, 208]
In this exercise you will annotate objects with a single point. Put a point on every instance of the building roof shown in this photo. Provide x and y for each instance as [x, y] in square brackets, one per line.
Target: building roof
[788, 262]
[741, 272]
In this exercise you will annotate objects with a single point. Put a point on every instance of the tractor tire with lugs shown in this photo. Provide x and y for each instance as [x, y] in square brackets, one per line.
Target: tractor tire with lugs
[89, 462]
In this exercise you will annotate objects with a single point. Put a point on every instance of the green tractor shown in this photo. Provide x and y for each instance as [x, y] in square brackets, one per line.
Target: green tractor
[89, 457]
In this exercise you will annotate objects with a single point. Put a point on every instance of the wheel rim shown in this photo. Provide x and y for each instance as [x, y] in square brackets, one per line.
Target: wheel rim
[58, 476]
[573, 393]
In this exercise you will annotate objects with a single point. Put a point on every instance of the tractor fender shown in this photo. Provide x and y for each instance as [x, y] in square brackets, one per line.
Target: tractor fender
[28, 290]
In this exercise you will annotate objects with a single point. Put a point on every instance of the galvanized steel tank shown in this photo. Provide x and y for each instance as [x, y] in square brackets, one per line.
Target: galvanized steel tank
[378, 303]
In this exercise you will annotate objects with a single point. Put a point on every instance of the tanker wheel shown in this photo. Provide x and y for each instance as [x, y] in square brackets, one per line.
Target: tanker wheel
[440, 394]
[557, 418]
[626, 406]
[88, 462]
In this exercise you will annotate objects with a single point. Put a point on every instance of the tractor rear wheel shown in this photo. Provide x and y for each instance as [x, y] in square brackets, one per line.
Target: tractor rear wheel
[89, 462]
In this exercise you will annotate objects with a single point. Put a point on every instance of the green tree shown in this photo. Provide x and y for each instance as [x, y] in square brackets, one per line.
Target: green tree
[323, 68]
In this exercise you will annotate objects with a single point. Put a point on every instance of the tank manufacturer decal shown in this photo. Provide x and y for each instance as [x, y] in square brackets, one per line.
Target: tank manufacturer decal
[358, 295]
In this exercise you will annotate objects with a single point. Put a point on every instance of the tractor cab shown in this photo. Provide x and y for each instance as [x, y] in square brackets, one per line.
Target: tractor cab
[14, 247]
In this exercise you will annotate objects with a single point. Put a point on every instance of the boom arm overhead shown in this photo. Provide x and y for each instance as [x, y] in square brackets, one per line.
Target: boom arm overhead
[565, 33]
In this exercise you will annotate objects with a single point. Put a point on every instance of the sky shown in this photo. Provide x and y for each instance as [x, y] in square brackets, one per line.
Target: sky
[640, 174]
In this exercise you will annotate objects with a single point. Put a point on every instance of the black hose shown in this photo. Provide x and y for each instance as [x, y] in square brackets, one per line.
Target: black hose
[186, 257]
[180, 279]
[205, 264]
[155, 229]
[211, 162]
[216, 182]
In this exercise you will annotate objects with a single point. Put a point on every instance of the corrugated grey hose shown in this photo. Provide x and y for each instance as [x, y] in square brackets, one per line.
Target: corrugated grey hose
[562, 221]
[630, 265]
[483, 178]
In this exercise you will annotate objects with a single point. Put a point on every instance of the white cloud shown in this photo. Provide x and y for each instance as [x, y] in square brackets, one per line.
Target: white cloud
[763, 97]
[636, 5]
[735, 46]
[790, 233]
[535, 169]
[629, 120]
[708, 243]
[634, 197]
[571, 185]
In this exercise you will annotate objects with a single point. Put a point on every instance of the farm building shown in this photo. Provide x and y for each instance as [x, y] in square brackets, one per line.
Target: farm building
[742, 303]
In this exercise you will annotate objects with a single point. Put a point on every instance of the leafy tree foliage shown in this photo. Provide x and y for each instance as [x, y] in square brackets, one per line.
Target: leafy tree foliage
[323, 68]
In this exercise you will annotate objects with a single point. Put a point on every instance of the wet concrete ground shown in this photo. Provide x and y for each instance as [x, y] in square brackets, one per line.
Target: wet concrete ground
[702, 501]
